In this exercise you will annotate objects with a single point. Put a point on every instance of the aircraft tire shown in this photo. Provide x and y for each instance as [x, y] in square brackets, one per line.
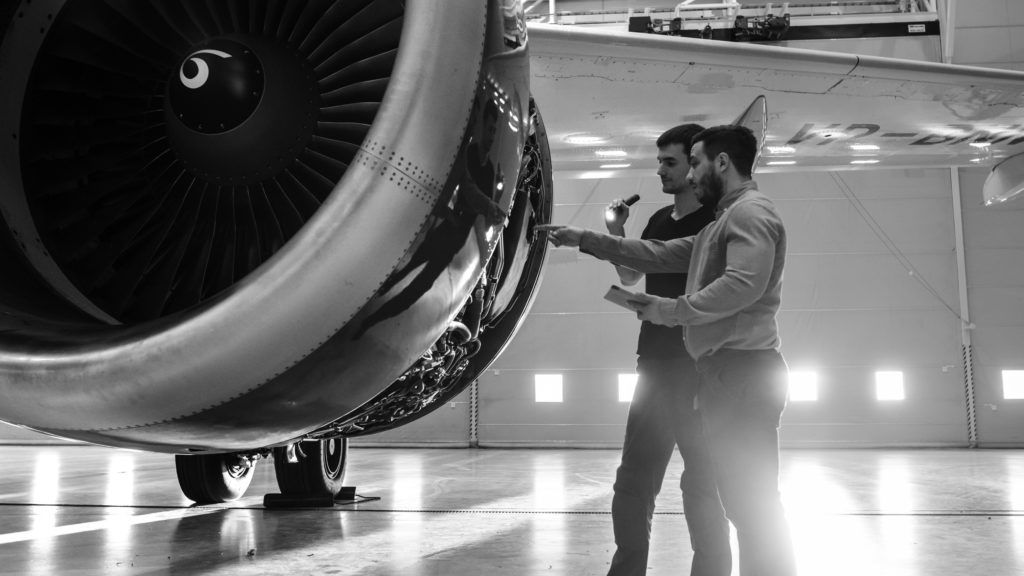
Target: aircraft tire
[319, 471]
[212, 478]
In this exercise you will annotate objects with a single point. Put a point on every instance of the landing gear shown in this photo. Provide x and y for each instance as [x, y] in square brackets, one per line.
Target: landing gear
[214, 478]
[312, 467]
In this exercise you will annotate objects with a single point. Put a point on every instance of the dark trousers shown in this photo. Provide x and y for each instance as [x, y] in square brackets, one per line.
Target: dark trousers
[742, 395]
[661, 417]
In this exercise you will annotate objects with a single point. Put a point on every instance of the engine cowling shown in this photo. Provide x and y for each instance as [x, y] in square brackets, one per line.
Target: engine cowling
[230, 224]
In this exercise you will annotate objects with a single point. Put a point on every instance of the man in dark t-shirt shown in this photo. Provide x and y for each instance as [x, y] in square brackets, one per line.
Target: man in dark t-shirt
[661, 414]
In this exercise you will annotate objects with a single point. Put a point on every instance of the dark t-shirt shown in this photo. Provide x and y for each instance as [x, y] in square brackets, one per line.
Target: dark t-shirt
[657, 340]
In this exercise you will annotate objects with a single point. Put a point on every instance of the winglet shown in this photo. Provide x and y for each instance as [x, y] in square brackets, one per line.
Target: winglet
[755, 117]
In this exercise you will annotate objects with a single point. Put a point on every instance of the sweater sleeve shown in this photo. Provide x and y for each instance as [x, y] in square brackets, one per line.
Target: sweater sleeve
[641, 255]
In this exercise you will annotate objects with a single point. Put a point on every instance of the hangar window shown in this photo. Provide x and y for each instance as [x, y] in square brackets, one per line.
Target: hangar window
[803, 386]
[1013, 384]
[627, 384]
[889, 385]
[547, 387]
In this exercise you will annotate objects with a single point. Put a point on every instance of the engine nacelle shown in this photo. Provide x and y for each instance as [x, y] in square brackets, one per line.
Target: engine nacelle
[231, 224]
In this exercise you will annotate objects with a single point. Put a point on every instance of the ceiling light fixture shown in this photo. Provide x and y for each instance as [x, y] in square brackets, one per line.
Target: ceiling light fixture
[584, 139]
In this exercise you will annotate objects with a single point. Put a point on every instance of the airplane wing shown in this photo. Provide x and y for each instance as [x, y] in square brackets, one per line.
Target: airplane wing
[609, 94]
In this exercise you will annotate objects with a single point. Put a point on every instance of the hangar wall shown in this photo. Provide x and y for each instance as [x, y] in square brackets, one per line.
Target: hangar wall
[989, 33]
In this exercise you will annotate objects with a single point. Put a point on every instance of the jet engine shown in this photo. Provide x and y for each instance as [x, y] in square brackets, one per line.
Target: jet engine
[235, 226]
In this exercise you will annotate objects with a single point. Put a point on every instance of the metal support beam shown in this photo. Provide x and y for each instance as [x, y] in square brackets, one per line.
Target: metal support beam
[474, 411]
[966, 326]
[948, 32]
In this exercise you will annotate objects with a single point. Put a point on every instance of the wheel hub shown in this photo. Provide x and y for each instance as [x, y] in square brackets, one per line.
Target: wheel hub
[241, 108]
[218, 87]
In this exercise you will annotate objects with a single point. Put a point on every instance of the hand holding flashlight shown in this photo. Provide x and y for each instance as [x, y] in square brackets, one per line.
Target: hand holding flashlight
[617, 213]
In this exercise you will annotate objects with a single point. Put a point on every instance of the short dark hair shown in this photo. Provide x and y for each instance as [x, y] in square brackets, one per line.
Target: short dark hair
[738, 142]
[682, 134]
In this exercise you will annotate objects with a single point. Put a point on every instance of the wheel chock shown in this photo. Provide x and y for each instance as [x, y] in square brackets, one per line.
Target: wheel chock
[298, 501]
[347, 495]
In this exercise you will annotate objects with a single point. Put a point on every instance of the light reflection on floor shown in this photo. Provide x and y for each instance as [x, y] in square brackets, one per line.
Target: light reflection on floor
[896, 496]
[1014, 470]
[46, 489]
[548, 532]
[408, 495]
[549, 482]
[812, 499]
[852, 512]
[119, 496]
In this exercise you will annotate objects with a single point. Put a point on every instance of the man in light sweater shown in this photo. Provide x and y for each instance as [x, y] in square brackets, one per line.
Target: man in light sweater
[734, 282]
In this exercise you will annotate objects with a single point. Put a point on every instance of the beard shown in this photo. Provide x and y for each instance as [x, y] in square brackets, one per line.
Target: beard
[710, 187]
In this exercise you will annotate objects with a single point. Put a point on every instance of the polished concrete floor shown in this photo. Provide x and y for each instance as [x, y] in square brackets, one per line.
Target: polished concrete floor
[88, 510]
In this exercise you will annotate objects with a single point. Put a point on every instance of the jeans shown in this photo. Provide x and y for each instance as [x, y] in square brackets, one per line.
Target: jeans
[742, 396]
[661, 417]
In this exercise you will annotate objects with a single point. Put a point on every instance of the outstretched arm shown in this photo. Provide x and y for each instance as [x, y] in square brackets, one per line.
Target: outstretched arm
[641, 255]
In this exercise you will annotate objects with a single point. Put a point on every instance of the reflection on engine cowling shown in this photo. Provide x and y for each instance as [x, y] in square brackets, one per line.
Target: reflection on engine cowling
[488, 318]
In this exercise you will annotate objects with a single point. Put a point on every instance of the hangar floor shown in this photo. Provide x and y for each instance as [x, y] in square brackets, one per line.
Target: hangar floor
[76, 510]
